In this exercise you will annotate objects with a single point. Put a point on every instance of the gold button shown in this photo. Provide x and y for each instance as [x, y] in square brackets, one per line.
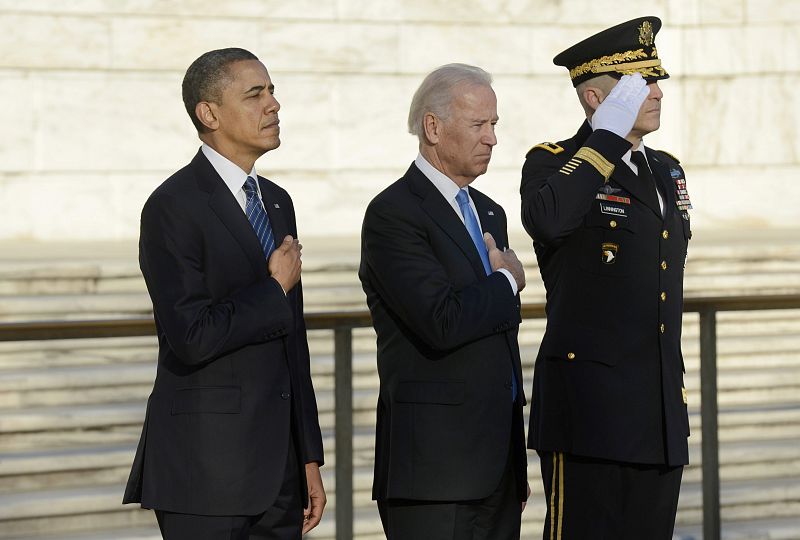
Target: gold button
[613, 224]
[571, 356]
[662, 328]
[663, 297]
[663, 265]
[665, 234]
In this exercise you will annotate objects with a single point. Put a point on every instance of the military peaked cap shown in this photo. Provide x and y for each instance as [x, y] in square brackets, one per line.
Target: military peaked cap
[620, 50]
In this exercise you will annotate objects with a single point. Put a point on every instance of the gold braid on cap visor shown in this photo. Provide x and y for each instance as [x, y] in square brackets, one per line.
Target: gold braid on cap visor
[622, 63]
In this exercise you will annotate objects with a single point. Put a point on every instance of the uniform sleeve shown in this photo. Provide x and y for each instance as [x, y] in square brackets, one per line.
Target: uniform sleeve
[410, 280]
[556, 194]
[198, 327]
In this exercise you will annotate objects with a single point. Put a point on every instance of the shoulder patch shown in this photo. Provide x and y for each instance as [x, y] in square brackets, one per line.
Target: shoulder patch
[670, 155]
[553, 148]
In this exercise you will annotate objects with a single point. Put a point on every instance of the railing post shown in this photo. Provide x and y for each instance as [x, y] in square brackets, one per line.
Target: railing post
[708, 414]
[343, 396]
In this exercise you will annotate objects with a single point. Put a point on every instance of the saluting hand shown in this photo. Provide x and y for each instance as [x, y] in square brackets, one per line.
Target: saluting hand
[617, 113]
[505, 259]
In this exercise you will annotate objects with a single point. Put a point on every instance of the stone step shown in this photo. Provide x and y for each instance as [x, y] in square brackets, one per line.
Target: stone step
[757, 529]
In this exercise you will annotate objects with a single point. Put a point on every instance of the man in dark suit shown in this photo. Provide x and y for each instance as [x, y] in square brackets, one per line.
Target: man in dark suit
[442, 288]
[610, 226]
[231, 444]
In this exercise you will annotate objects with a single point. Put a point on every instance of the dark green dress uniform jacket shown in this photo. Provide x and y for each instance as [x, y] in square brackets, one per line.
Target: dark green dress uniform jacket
[608, 381]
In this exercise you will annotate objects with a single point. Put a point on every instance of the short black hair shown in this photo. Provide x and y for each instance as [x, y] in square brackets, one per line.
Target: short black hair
[206, 78]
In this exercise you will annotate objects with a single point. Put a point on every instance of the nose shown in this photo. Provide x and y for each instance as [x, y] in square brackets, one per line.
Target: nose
[489, 137]
[272, 105]
[655, 91]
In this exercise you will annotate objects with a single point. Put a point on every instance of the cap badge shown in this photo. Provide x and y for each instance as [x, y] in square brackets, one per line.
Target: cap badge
[646, 36]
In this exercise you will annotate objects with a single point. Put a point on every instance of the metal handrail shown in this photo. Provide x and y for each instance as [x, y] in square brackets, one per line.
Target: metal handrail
[343, 322]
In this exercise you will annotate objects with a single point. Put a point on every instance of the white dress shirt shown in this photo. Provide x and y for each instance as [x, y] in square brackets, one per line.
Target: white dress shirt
[232, 175]
[449, 190]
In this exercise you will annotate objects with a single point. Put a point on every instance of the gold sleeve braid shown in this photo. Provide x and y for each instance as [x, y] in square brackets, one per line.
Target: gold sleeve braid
[595, 159]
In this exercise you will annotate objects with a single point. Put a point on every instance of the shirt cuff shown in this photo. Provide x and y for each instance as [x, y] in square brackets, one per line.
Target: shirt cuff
[510, 278]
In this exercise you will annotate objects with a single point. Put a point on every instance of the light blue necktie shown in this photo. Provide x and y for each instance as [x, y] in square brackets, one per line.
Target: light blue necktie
[258, 217]
[473, 228]
[477, 238]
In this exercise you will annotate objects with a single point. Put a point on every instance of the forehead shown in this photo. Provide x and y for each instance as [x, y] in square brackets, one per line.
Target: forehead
[245, 74]
[475, 100]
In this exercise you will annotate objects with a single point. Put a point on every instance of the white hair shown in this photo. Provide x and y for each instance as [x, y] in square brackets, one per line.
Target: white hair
[435, 94]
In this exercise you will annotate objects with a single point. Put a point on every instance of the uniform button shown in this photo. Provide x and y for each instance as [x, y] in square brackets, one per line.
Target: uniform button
[612, 224]
[285, 395]
[663, 265]
[571, 356]
[663, 297]
[665, 234]
[662, 328]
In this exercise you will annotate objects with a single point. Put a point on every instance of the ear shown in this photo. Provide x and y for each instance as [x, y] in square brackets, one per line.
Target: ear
[207, 114]
[593, 96]
[432, 126]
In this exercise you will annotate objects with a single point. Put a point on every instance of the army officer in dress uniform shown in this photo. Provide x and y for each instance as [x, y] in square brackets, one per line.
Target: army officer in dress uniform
[610, 226]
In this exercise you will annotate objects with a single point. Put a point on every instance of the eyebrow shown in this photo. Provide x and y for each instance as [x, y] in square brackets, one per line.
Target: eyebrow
[259, 88]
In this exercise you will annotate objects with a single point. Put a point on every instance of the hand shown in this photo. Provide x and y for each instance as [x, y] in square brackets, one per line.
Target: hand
[528, 496]
[505, 259]
[316, 498]
[284, 263]
[617, 113]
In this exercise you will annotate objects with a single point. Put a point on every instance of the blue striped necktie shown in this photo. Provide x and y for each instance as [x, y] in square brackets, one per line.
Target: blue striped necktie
[477, 238]
[258, 217]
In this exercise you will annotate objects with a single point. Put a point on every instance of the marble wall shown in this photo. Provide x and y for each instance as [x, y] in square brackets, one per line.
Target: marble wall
[94, 120]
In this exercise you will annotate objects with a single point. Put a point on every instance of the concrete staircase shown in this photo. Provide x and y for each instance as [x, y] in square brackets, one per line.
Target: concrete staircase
[71, 410]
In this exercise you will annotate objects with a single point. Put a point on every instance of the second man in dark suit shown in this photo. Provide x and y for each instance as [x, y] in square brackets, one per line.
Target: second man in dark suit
[442, 289]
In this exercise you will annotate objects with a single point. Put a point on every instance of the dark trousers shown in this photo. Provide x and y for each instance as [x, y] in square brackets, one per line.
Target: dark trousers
[595, 499]
[282, 521]
[496, 517]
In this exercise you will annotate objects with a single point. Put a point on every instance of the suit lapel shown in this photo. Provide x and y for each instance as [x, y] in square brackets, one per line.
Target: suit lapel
[226, 207]
[663, 177]
[623, 175]
[444, 216]
[276, 213]
[487, 215]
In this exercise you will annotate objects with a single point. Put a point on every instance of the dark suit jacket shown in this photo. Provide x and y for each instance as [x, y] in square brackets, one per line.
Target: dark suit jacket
[233, 377]
[608, 380]
[447, 343]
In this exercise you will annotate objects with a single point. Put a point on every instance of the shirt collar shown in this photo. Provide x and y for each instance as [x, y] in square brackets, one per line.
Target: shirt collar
[230, 173]
[443, 183]
[626, 158]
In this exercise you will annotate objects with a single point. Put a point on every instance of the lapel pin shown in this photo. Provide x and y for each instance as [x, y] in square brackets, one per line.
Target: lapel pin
[276, 205]
[491, 213]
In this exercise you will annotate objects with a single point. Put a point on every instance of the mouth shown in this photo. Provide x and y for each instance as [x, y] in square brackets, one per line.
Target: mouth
[275, 124]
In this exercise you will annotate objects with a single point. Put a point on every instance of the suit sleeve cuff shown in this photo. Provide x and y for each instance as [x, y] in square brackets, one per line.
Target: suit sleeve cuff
[511, 280]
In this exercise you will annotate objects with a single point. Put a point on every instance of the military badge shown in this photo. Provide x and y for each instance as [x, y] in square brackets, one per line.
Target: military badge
[613, 210]
[609, 190]
[613, 198]
[609, 252]
[646, 36]
[682, 196]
